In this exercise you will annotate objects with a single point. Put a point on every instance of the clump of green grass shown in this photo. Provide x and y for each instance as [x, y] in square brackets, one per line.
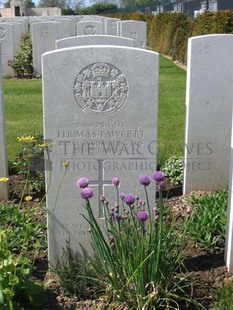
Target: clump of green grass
[23, 233]
[224, 298]
[207, 223]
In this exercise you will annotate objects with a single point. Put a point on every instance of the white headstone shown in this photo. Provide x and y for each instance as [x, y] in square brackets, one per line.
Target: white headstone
[8, 50]
[100, 113]
[17, 35]
[208, 112]
[44, 36]
[135, 30]
[110, 26]
[66, 27]
[90, 17]
[3, 153]
[94, 40]
[89, 27]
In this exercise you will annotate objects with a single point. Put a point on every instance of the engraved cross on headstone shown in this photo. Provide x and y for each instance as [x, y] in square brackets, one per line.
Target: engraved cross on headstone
[101, 182]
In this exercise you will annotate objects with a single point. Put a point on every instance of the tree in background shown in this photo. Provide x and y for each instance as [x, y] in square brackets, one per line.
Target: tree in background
[68, 7]
[98, 8]
[29, 4]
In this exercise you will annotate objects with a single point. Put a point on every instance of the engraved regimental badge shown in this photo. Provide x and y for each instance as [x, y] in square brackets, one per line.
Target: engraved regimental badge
[44, 31]
[2, 33]
[90, 30]
[100, 89]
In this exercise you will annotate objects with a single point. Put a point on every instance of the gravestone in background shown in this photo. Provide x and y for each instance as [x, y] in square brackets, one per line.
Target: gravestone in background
[90, 17]
[135, 30]
[24, 21]
[44, 36]
[110, 26]
[89, 27]
[94, 40]
[17, 35]
[3, 154]
[100, 112]
[7, 47]
[209, 99]
[66, 27]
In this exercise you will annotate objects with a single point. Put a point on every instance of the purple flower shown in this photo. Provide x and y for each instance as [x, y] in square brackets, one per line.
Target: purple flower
[161, 185]
[116, 181]
[86, 193]
[129, 199]
[144, 180]
[158, 176]
[83, 182]
[122, 196]
[117, 217]
[143, 215]
[142, 202]
[111, 239]
[133, 287]
[102, 198]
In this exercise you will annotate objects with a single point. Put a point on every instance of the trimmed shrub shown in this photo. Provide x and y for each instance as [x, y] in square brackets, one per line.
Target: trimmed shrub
[22, 62]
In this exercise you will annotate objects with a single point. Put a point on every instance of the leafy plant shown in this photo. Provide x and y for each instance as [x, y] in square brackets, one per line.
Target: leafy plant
[29, 164]
[138, 251]
[173, 169]
[16, 288]
[23, 233]
[31, 155]
[224, 298]
[22, 63]
[75, 275]
[207, 223]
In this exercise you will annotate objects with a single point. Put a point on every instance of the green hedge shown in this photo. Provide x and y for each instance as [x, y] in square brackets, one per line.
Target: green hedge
[168, 33]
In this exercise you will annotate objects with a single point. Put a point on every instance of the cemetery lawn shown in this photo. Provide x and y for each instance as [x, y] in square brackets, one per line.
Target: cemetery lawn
[171, 116]
[23, 110]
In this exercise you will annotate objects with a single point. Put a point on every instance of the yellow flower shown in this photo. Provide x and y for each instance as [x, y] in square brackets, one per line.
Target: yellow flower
[28, 198]
[29, 155]
[4, 179]
[45, 145]
[65, 164]
[26, 139]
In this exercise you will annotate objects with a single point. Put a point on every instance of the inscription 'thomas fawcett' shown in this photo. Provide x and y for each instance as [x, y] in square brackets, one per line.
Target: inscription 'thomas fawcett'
[100, 89]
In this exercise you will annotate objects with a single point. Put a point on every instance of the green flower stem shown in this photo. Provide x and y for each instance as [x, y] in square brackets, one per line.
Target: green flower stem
[101, 245]
[58, 190]
[117, 190]
[25, 185]
[50, 176]
[160, 223]
[147, 201]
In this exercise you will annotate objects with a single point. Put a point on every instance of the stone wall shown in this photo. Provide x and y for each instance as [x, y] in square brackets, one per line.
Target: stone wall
[43, 12]
[34, 12]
